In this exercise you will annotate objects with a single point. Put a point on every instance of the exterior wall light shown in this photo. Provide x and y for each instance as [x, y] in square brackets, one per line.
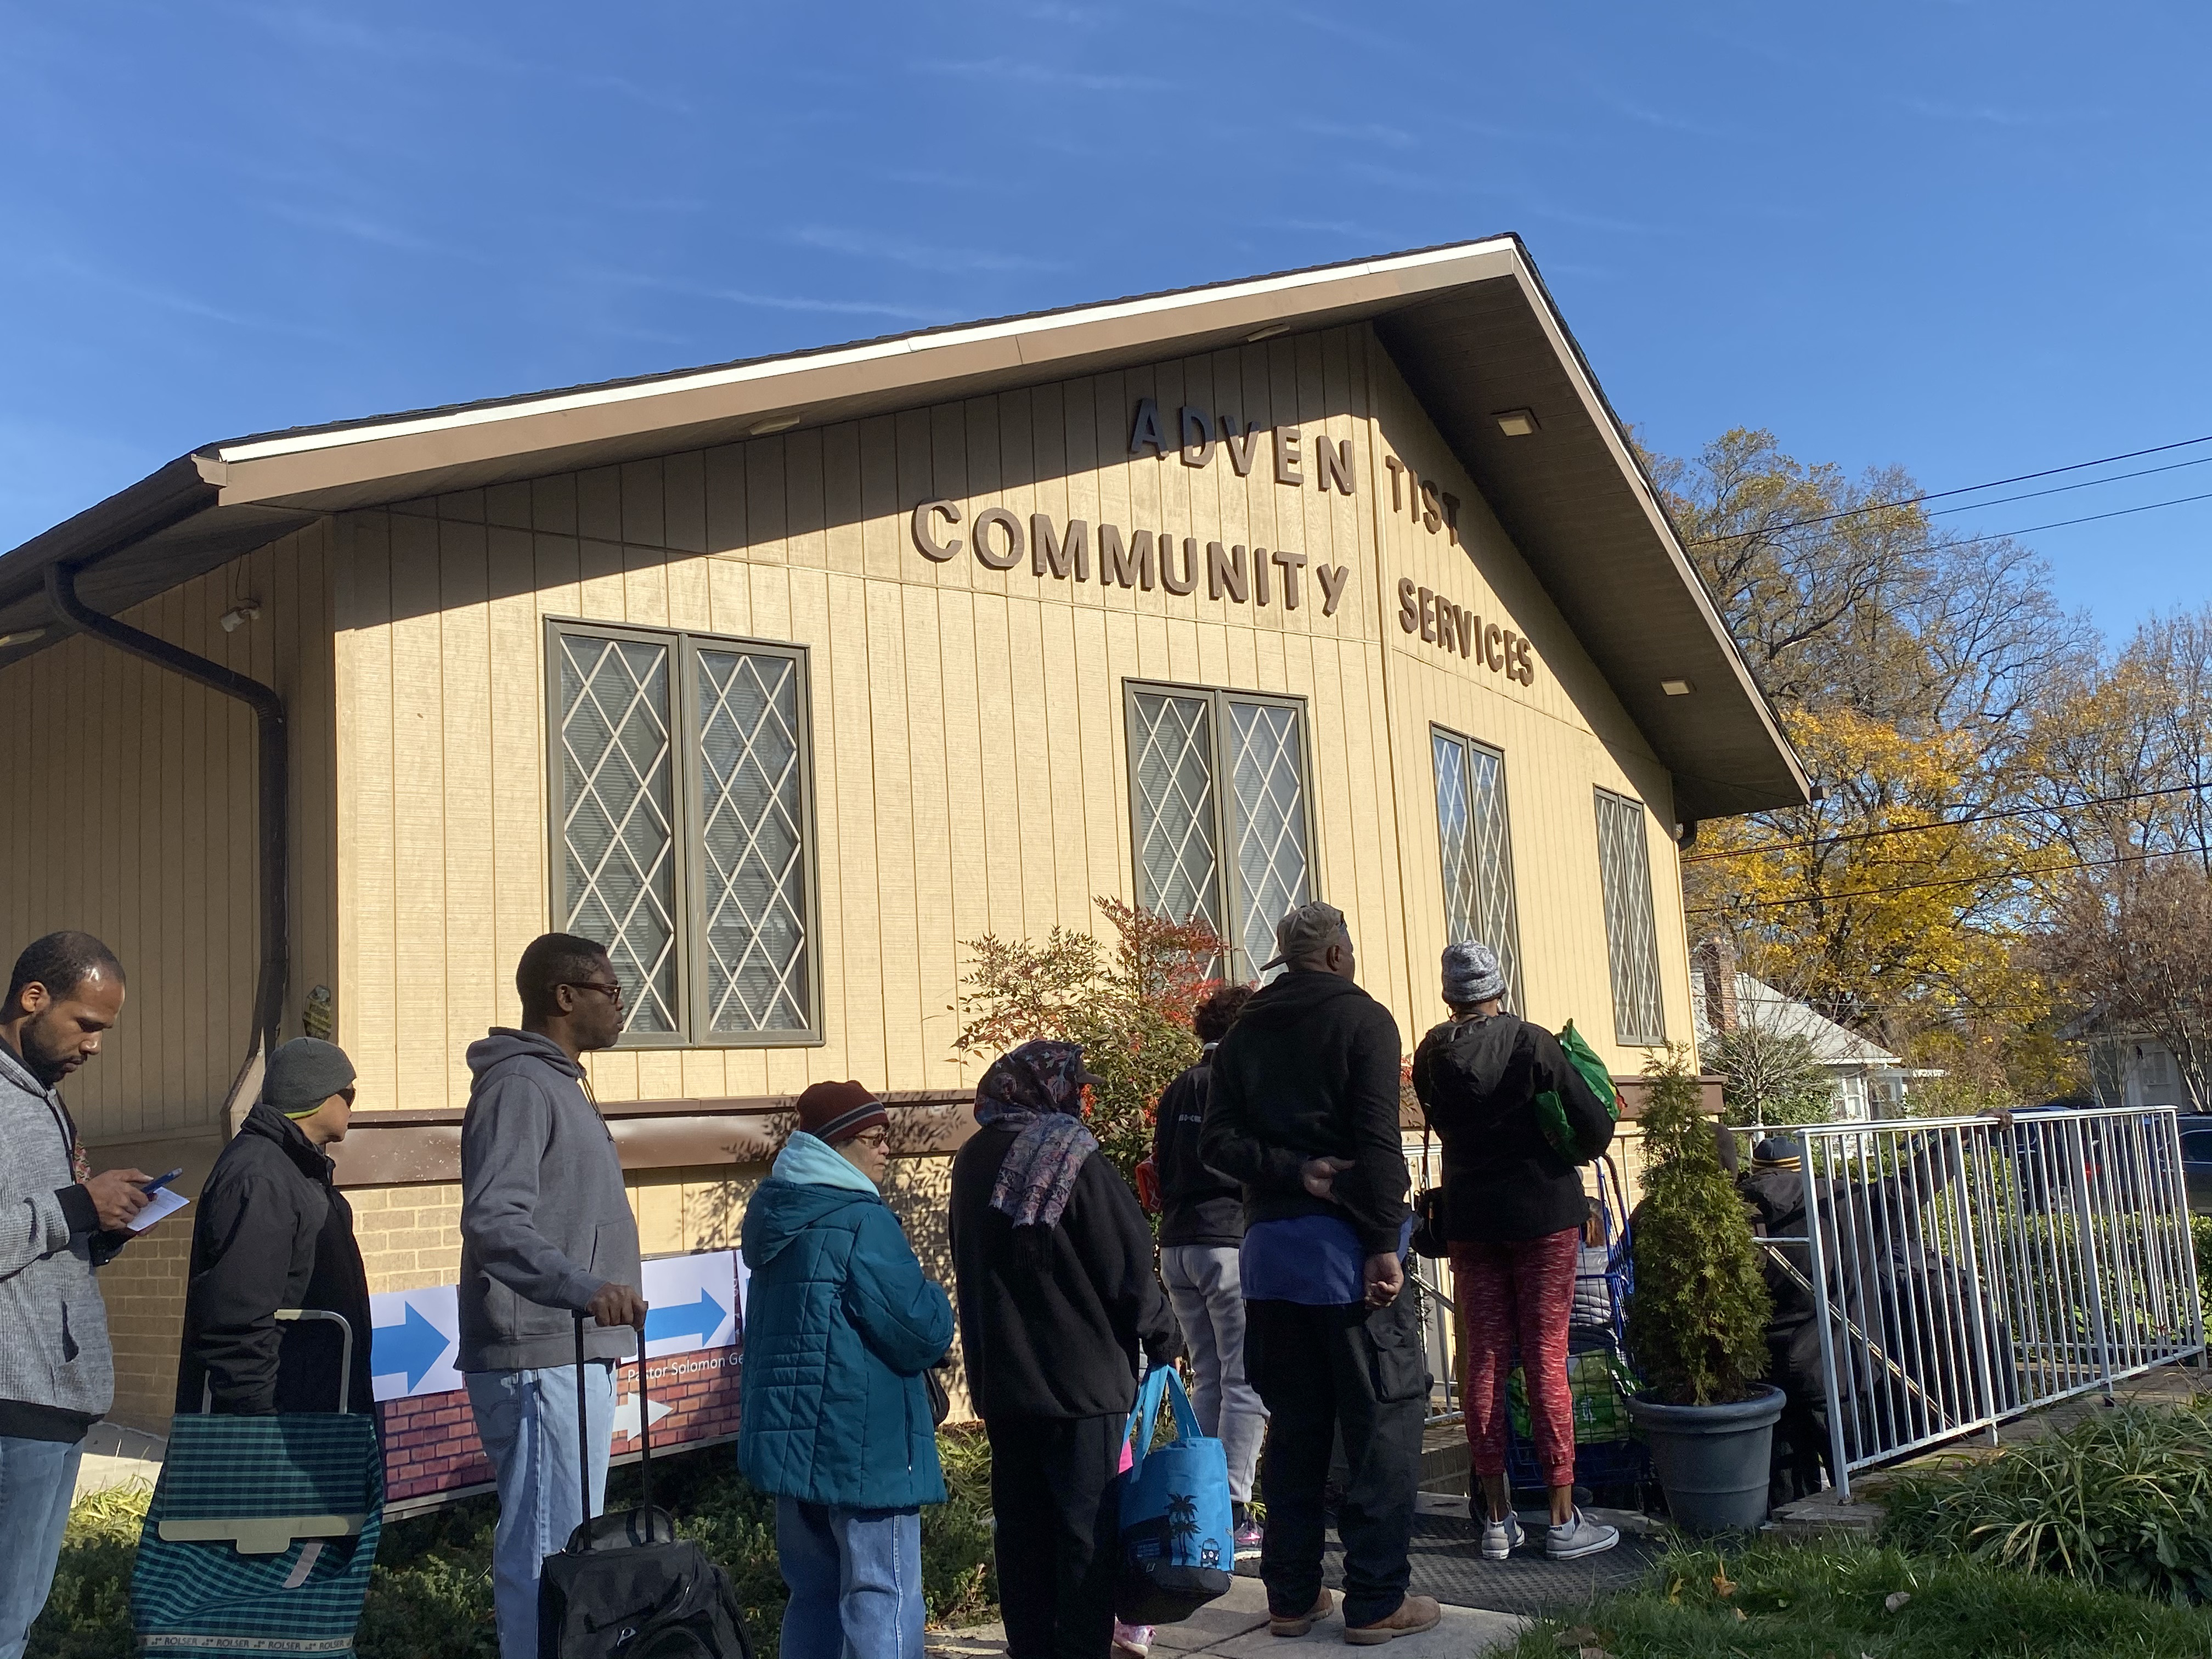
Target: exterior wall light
[1515, 422]
[773, 423]
[21, 636]
[1676, 688]
[1266, 333]
[238, 615]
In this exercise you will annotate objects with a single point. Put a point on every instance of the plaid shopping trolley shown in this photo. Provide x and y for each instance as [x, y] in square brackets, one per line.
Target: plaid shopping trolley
[262, 1530]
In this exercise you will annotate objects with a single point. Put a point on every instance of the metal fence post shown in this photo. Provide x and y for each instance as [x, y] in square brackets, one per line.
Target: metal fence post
[2077, 1180]
[1838, 1465]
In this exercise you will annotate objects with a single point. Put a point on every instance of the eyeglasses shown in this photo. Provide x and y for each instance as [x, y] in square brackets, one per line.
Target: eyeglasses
[878, 1138]
[346, 1094]
[611, 990]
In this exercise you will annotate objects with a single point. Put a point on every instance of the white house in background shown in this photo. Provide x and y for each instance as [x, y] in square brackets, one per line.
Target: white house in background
[2136, 1071]
[1869, 1081]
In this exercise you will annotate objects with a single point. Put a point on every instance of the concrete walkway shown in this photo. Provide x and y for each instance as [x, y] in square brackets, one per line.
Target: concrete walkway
[1235, 1627]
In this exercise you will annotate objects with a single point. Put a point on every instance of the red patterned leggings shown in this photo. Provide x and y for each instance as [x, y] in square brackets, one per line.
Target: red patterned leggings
[1519, 1292]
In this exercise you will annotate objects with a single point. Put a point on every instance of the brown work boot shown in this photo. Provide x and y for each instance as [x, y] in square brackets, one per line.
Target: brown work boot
[1278, 1625]
[1415, 1615]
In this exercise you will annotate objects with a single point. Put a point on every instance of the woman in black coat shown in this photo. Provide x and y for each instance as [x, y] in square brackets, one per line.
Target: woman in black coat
[1057, 1295]
[1514, 1209]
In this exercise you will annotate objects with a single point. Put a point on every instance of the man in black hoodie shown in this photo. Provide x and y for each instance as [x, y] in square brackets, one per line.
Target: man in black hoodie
[1304, 1113]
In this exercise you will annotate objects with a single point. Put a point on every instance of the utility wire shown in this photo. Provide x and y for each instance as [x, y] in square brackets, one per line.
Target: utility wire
[1954, 881]
[1946, 823]
[1963, 489]
[2060, 489]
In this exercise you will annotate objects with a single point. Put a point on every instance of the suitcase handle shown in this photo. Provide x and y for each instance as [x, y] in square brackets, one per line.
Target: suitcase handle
[583, 1443]
[345, 1356]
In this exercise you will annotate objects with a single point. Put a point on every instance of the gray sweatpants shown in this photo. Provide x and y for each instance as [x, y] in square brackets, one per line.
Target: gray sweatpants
[1208, 1294]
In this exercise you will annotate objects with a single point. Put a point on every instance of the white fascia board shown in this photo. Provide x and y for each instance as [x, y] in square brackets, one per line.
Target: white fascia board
[1029, 336]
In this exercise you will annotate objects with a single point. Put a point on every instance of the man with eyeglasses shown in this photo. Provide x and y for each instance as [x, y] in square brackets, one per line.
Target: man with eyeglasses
[273, 1231]
[546, 1234]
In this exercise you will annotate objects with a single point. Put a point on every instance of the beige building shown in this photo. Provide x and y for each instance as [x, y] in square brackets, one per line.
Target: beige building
[789, 677]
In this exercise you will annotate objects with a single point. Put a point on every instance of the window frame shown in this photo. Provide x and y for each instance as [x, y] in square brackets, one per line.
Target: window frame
[687, 817]
[1624, 1035]
[1515, 988]
[1226, 885]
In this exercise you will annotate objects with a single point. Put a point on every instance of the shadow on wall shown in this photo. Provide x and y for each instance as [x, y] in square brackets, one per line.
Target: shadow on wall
[919, 1193]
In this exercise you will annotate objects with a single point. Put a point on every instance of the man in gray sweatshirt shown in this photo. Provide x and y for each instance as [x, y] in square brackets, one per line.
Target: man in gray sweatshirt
[546, 1234]
[58, 1222]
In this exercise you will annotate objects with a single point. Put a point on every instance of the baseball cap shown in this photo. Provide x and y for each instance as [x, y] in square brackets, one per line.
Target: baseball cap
[1306, 932]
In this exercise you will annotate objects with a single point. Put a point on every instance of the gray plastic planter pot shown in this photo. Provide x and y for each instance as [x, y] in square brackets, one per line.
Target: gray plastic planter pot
[1712, 1460]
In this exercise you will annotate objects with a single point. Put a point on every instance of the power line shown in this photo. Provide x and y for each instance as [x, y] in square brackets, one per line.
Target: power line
[1963, 489]
[2060, 489]
[1954, 881]
[1945, 823]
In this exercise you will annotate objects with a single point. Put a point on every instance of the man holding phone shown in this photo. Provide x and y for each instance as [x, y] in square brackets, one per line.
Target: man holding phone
[274, 1231]
[58, 1222]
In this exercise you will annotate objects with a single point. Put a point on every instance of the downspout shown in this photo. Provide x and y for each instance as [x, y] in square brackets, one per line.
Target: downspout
[275, 765]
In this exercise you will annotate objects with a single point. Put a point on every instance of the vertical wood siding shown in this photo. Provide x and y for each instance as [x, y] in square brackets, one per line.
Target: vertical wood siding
[969, 754]
[132, 816]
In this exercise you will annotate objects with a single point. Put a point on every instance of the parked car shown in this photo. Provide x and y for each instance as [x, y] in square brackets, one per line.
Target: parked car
[2196, 1161]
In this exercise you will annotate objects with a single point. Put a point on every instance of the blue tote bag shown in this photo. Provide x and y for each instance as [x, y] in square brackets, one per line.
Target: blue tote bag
[1178, 1547]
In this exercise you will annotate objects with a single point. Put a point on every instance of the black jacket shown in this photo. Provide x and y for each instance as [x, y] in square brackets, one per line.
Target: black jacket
[1197, 1207]
[1310, 1070]
[1478, 1081]
[272, 1232]
[1061, 1341]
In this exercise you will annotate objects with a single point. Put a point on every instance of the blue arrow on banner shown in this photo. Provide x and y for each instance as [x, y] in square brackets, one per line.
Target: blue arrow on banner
[409, 1348]
[697, 1320]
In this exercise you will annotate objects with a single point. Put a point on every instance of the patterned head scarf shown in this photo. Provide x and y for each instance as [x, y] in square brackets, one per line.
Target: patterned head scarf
[1037, 1090]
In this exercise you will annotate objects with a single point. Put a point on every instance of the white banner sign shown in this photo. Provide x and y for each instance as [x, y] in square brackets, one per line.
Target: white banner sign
[696, 1302]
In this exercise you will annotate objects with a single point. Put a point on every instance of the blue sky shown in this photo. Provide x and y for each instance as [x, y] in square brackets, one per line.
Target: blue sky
[1969, 239]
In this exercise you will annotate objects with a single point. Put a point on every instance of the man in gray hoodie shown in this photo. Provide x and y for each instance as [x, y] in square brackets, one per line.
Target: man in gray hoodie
[58, 1222]
[546, 1234]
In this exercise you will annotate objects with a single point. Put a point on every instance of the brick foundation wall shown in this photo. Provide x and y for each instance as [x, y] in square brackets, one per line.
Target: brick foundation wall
[430, 1442]
[144, 1290]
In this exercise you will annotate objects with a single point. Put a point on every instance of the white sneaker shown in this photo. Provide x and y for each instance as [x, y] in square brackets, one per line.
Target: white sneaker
[1580, 1536]
[1501, 1537]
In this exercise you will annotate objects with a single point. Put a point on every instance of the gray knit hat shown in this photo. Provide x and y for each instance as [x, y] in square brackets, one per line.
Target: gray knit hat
[1472, 974]
[304, 1074]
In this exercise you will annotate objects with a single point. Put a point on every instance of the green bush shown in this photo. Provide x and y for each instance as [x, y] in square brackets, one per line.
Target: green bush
[429, 1596]
[1696, 1323]
[2121, 1498]
[2200, 1235]
[1836, 1600]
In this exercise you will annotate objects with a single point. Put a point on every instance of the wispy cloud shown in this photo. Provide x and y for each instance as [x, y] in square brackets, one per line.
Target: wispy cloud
[739, 296]
[921, 256]
[1043, 75]
[1992, 115]
[360, 228]
[1369, 132]
[1665, 120]
[345, 38]
[1401, 178]
[153, 297]
[1324, 228]
[1376, 39]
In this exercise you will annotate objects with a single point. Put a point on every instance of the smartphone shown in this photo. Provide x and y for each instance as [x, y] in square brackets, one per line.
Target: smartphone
[161, 1181]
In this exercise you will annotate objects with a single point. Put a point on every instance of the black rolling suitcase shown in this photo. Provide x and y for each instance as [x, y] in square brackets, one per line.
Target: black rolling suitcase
[626, 1587]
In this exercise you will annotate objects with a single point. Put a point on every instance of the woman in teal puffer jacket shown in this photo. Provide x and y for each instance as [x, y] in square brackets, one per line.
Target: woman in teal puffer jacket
[840, 1325]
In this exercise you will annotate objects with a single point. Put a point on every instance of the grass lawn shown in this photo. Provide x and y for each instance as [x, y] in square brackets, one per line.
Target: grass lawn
[1842, 1600]
[431, 1595]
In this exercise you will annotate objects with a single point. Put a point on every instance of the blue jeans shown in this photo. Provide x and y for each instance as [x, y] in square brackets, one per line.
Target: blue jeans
[38, 1479]
[855, 1580]
[527, 1421]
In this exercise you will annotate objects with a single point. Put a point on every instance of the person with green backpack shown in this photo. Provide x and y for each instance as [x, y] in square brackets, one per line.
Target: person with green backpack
[1517, 1111]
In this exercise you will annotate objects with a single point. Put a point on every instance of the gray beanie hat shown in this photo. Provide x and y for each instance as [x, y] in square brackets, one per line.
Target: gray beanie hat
[1472, 974]
[304, 1074]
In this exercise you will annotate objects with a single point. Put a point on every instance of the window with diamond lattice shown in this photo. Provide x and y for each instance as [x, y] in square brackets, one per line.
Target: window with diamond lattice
[682, 835]
[1219, 805]
[1477, 851]
[1632, 931]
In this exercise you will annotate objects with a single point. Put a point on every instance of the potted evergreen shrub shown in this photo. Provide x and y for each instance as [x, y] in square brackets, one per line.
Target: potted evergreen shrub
[1696, 1320]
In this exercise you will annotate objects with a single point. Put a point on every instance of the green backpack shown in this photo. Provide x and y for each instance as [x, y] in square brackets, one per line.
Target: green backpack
[1552, 1112]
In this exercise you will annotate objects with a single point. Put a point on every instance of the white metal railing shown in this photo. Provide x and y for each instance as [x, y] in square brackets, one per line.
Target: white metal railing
[1963, 1271]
